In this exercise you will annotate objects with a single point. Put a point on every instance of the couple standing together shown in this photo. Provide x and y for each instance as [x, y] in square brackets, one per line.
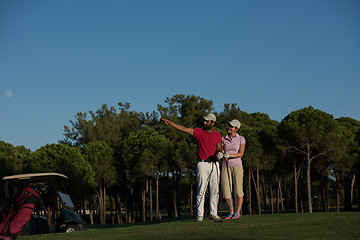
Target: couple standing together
[210, 147]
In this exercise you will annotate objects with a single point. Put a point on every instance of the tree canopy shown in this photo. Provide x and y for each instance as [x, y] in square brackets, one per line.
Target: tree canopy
[112, 155]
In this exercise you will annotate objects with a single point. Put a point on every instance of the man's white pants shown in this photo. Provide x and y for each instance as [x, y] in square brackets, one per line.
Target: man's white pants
[207, 173]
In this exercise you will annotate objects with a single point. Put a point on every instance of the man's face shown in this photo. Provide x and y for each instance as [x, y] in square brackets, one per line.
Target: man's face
[208, 125]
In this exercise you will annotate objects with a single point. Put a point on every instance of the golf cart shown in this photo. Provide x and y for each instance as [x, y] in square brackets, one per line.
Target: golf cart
[54, 212]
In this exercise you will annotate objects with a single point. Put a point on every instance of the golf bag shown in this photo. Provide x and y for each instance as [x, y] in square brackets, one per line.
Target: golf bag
[17, 213]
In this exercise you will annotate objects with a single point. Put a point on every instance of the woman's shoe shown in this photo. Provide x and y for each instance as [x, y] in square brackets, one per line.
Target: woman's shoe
[229, 216]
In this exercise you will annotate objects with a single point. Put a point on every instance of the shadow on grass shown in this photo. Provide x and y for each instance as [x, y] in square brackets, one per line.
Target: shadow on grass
[148, 222]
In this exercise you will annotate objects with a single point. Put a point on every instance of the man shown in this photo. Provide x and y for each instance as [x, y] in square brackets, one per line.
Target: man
[207, 170]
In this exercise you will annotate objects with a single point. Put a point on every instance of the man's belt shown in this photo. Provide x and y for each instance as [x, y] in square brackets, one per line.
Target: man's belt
[207, 160]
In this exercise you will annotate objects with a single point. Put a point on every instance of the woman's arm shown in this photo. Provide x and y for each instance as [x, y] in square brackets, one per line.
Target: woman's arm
[240, 153]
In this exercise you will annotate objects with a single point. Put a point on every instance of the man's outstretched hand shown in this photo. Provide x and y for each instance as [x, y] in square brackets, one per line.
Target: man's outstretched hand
[167, 122]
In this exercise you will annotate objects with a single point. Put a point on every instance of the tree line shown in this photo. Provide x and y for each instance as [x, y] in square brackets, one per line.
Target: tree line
[128, 164]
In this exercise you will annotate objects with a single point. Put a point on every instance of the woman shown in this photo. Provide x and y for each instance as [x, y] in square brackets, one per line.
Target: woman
[232, 169]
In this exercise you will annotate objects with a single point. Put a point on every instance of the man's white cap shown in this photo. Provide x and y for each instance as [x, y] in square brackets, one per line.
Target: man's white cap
[210, 117]
[235, 123]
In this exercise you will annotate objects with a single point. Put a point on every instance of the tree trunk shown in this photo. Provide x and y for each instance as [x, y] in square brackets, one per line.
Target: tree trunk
[131, 207]
[301, 199]
[100, 205]
[158, 214]
[151, 200]
[358, 188]
[174, 195]
[286, 200]
[91, 217]
[175, 203]
[281, 197]
[91, 202]
[271, 200]
[112, 210]
[256, 183]
[250, 207]
[325, 198]
[337, 192]
[258, 190]
[314, 203]
[84, 207]
[278, 199]
[347, 193]
[296, 188]
[352, 188]
[127, 213]
[264, 194]
[308, 180]
[169, 195]
[296, 192]
[143, 201]
[102, 202]
[118, 209]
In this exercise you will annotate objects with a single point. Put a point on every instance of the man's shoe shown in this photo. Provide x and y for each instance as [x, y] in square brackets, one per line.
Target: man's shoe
[216, 218]
[236, 215]
[200, 219]
[229, 216]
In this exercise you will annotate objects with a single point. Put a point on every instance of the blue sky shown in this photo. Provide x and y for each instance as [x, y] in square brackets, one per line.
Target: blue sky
[58, 58]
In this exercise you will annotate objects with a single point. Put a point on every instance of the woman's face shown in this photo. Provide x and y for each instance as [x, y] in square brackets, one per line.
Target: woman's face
[231, 129]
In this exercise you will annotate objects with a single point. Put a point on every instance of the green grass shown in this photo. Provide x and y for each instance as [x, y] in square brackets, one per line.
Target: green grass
[284, 226]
